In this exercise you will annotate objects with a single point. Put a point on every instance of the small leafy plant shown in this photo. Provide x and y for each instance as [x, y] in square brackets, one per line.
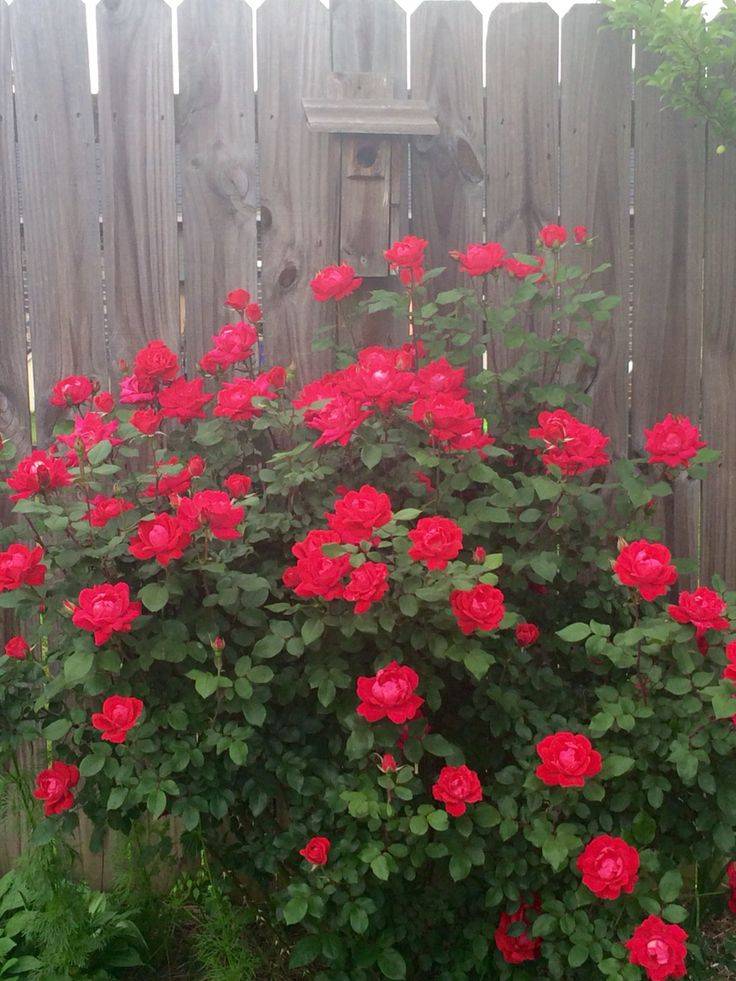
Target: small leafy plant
[401, 650]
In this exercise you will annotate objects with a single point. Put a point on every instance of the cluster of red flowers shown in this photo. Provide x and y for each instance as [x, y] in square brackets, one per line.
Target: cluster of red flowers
[383, 379]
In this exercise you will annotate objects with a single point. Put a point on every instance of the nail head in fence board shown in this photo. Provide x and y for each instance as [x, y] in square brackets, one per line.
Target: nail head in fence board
[59, 196]
[136, 112]
[719, 366]
[448, 172]
[522, 135]
[370, 36]
[595, 175]
[669, 177]
[217, 139]
[14, 412]
[299, 193]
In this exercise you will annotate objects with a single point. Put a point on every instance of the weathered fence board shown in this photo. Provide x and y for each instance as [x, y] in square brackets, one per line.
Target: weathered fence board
[719, 366]
[448, 172]
[216, 130]
[299, 190]
[369, 36]
[595, 168]
[668, 255]
[14, 415]
[136, 110]
[59, 195]
[522, 133]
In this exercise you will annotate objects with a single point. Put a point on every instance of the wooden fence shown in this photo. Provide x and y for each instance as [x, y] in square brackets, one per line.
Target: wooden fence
[126, 216]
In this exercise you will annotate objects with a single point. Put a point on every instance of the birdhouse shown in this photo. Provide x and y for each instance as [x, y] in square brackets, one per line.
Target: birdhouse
[374, 131]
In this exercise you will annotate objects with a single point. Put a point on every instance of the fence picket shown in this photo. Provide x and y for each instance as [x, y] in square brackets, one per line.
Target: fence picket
[58, 195]
[299, 190]
[136, 112]
[719, 366]
[668, 253]
[216, 134]
[448, 171]
[595, 175]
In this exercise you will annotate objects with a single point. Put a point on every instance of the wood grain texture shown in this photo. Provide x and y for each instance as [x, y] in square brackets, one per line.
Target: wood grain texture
[370, 36]
[58, 195]
[448, 171]
[719, 367]
[136, 114]
[522, 123]
[522, 137]
[668, 255]
[595, 178]
[14, 413]
[216, 133]
[299, 193]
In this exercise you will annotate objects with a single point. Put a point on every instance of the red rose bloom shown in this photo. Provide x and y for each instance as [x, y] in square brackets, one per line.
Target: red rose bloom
[451, 421]
[212, 509]
[478, 608]
[376, 380]
[132, 392]
[231, 344]
[54, 786]
[155, 364]
[118, 716]
[335, 283]
[254, 313]
[238, 484]
[520, 270]
[146, 421]
[163, 538]
[568, 760]
[317, 850]
[480, 259]
[178, 481]
[89, 430]
[103, 509]
[674, 441]
[731, 875]
[609, 866]
[435, 541]
[37, 472]
[553, 236]
[237, 299]
[21, 566]
[729, 672]
[105, 610]
[104, 402]
[407, 256]
[184, 400]
[439, 377]
[17, 648]
[570, 444]
[580, 234]
[519, 947]
[659, 948]
[358, 513]
[703, 608]
[456, 787]
[235, 398]
[389, 694]
[526, 634]
[317, 574]
[367, 585]
[72, 390]
[337, 421]
[647, 567]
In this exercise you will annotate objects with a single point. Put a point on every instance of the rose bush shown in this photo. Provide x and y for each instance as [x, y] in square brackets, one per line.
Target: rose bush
[400, 648]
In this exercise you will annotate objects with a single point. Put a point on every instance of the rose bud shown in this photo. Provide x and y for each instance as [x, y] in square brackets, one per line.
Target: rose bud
[479, 554]
[388, 764]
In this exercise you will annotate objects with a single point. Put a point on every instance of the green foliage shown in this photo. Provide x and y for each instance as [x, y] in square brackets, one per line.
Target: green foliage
[54, 927]
[254, 745]
[696, 57]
